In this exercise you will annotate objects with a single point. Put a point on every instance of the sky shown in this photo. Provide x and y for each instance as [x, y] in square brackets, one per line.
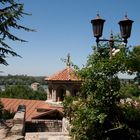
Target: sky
[62, 27]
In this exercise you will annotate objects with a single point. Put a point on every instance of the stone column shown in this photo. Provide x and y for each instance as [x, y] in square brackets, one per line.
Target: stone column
[48, 94]
[68, 93]
[65, 125]
[54, 95]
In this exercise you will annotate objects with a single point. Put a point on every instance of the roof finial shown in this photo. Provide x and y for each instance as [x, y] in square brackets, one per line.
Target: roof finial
[68, 61]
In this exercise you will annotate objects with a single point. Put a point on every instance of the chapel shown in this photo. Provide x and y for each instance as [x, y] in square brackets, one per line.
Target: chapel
[63, 83]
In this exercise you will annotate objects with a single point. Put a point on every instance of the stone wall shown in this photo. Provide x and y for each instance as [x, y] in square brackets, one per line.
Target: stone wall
[18, 124]
[44, 126]
[18, 129]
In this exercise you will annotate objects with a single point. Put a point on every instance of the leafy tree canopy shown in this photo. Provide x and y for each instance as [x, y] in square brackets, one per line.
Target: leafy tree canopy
[23, 92]
[134, 59]
[98, 113]
[133, 63]
[21, 80]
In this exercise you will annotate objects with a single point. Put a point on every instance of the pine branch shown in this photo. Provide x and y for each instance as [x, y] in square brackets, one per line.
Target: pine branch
[3, 61]
[10, 14]
[4, 51]
[4, 44]
[12, 37]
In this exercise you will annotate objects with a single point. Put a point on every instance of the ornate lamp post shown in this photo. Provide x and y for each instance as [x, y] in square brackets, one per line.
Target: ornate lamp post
[125, 29]
[110, 75]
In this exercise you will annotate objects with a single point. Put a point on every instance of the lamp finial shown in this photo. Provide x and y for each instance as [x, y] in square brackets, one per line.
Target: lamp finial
[98, 15]
[126, 17]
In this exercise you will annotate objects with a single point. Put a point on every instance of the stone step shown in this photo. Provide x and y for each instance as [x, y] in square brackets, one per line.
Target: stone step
[47, 136]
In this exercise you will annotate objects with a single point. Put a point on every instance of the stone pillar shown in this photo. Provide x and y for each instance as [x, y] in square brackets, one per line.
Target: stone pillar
[68, 93]
[65, 125]
[19, 123]
[54, 95]
[48, 94]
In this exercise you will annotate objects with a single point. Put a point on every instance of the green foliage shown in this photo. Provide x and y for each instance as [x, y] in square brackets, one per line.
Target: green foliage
[133, 63]
[129, 90]
[20, 80]
[23, 92]
[98, 113]
[11, 11]
[131, 118]
[5, 114]
[69, 105]
[18, 86]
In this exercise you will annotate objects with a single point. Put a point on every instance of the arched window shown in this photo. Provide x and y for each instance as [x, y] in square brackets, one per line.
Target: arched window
[60, 94]
[75, 91]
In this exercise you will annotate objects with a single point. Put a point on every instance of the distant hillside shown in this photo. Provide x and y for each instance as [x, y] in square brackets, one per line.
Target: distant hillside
[21, 80]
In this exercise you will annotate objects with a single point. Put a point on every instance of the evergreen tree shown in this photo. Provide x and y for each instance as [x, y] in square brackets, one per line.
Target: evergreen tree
[11, 11]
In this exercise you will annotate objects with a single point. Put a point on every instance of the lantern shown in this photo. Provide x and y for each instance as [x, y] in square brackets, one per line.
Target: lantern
[97, 25]
[125, 27]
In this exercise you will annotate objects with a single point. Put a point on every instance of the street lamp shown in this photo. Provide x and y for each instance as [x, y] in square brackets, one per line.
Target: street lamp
[125, 29]
[97, 25]
[110, 73]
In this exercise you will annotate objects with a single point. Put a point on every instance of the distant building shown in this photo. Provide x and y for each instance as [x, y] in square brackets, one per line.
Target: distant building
[35, 86]
[2, 87]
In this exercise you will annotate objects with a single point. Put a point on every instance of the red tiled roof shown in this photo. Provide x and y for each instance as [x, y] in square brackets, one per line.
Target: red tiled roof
[64, 75]
[31, 106]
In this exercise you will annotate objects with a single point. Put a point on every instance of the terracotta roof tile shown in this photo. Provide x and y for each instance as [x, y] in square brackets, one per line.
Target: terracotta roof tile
[64, 75]
[31, 106]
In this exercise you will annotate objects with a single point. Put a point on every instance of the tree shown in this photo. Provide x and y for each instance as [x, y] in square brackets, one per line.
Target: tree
[133, 62]
[11, 11]
[5, 114]
[20, 80]
[130, 90]
[69, 107]
[134, 59]
[98, 114]
[23, 92]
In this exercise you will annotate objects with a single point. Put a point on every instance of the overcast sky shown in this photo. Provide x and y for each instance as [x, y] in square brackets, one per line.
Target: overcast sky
[63, 26]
